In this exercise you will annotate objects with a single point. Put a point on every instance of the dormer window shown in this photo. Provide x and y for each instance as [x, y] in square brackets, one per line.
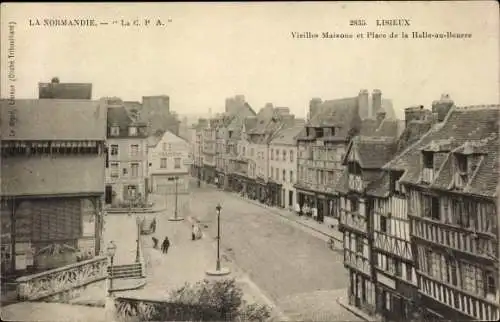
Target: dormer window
[132, 131]
[354, 168]
[428, 158]
[115, 130]
[462, 170]
[396, 186]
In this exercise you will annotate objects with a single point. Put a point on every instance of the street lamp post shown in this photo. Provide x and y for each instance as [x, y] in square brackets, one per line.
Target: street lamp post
[176, 217]
[110, 303]
[139, 228]
[219, 271]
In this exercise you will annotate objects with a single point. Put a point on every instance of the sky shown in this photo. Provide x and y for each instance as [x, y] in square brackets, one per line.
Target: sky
[210, 51]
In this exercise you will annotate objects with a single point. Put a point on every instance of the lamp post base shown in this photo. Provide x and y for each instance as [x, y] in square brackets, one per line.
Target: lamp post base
[176, 219]
[221, 272]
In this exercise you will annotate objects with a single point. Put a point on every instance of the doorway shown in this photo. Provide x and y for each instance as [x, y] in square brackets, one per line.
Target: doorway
[290, 198]
[108, 194]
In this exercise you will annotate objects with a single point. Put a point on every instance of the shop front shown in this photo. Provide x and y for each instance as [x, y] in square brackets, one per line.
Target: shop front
[275, 193]
[44, 233]
[209, 174]
[261, 190]
[396, 300]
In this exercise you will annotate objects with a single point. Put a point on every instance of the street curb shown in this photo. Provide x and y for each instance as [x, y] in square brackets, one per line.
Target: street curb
[126, 212]
[291, 219]
[348, 308]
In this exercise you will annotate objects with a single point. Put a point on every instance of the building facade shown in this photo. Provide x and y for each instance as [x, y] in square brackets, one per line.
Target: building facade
[209, 139]
[450, 180]
[169, 158]
[364, 159]
[283, 165]
[127, 164]
[52, 181]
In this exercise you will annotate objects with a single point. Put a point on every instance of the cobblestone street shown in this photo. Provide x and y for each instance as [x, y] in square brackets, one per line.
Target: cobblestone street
[289, 262]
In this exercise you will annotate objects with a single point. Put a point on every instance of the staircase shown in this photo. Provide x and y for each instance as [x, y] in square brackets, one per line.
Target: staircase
[126, 271]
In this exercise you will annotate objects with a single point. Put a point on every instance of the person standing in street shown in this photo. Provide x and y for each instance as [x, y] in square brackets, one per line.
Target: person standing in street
[165, 245]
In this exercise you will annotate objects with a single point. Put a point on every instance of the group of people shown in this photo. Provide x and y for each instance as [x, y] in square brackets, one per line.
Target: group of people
[195, 234]
[306, 210]
[164, 245]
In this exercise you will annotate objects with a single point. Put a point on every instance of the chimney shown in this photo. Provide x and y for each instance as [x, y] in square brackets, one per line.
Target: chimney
[363, 106]
[314, 105]
[380, 117]
[376, 103]
[442, 107]
[417, 113]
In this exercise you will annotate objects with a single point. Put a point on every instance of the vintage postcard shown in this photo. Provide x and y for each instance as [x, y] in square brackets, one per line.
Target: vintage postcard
[250, 161]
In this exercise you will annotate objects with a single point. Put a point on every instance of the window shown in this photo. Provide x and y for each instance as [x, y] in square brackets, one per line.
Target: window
[359, 245]
[284, 175]
[452, 272]
[291, 155]
[277, 154]
[125, 171]
[431, 207]
[132, 131]
[177, 163]
[272, 154]
[490, 287]
[462, 163]
[291, 176]
[134, 150]
[134, 167]
[115, 172]
[163, 163]
[114, 149]
[428, 160]
[409, 272]
[164, 146]
[131, 191]
[398, 268]
[115, 130]
[354, 168]
[354, 205]
[284, 155]
[383, 224]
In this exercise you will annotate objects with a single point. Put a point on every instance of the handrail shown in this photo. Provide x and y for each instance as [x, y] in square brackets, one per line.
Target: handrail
[60, 269]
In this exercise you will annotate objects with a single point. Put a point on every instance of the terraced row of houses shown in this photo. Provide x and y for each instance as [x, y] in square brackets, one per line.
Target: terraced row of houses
[416, 200]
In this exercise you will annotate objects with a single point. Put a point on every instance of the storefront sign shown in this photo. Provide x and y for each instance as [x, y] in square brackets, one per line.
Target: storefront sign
[386, 281]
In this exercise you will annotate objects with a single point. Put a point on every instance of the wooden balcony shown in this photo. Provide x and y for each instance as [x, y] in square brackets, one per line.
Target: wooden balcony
[462, 301]
[356, 183]
[427, 175]
[357, 261]
[459, 240]
[353, 220]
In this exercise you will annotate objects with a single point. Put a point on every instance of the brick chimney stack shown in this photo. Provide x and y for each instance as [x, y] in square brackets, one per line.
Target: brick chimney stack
[363, 105]
[376, 103]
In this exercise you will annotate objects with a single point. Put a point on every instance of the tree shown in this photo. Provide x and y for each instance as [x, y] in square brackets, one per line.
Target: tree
[207, 300]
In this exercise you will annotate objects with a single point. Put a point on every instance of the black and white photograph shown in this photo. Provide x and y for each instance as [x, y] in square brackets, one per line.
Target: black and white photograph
[250, 161]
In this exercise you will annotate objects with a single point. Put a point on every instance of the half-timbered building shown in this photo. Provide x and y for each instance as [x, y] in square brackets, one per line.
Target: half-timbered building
[364, 159]
[450, 178]
[52, 180]
[322, 144]
[394, 272]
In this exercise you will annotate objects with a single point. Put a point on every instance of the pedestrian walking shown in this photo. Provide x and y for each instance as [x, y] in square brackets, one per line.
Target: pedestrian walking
[165, 245]
[153, 226]
[155, 242]
[193, 233]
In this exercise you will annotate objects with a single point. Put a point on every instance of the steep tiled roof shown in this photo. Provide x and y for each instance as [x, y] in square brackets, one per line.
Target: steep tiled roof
[373, 152]
[118, 116]
[53, 119]
[461, 125]
[380, 187]
[76, 91]
[412, 133]
[250, 123]
[388, 127]
[342, 114]
[368, 127]
[286, 136]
